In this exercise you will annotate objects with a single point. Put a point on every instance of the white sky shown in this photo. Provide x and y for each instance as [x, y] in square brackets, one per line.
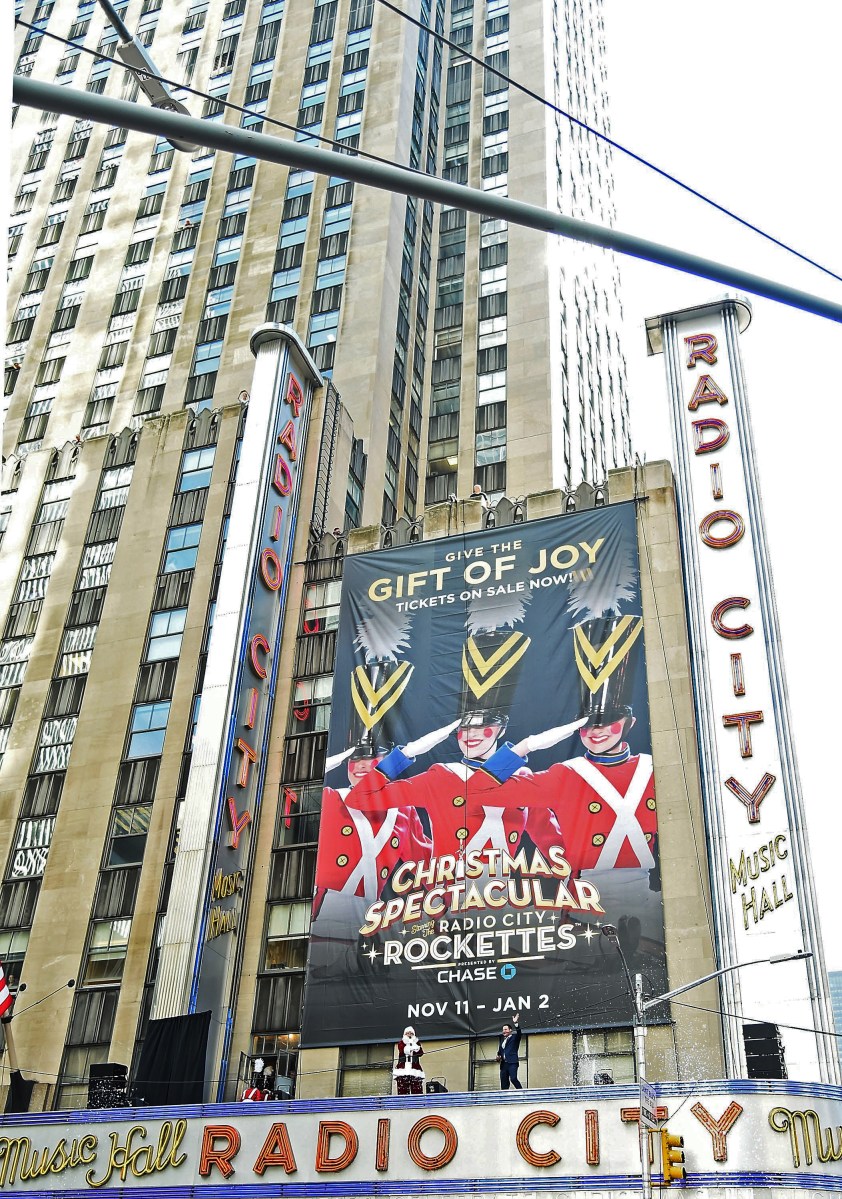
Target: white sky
[741, 99]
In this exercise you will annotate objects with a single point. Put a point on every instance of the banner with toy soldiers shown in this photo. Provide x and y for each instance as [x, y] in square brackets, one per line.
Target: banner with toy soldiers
[489, 799]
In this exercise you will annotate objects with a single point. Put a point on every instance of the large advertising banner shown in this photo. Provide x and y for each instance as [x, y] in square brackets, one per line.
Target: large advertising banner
[489, 802]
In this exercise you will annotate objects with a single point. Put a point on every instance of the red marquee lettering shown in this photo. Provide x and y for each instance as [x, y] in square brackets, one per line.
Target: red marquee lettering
[530, 1155]
[743, 721]
[282, 479]
[249, 756]
[251, 710]
[220, 1156]
[709, 424]
[271, 570]
[295, 396]
[592, 1136]
[277, 521]
[729, 632]
[751, 799]
[701, 345]
[276, 1151]
[706, 392]
[325, 1164]
[715, 481]
[413, 1142]
[722, 543]
[239, 820]
[738, 681]
[287, 437]
[718, 1129]
[381, 1157]
[257, 644]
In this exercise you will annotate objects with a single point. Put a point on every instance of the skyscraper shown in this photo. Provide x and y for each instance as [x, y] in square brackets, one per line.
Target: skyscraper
[465, 352]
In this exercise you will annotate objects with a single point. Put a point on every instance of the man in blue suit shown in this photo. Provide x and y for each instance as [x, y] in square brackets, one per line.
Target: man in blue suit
[507, 1054]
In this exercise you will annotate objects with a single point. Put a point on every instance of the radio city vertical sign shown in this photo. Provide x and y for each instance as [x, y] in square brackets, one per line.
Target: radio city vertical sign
[760, 872]
[200, 954]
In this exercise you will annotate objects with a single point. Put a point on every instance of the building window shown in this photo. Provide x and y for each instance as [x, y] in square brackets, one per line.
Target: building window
[91, 1024]
[286, 937]
[114, 488]
[321, 606]
[603, 1056]
[366, 1069]
[311, 705]
[13, 945]
[182, 548]
[196, 467]
[128, 836]
[277, 1005]
[106, 952]
[165, 632]
[485, 1069]
[148, 726]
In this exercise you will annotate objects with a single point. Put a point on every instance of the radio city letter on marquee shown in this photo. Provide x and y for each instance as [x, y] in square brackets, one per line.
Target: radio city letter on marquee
[740, 1138]
[229, 754]
[489, 798]
[762, 892]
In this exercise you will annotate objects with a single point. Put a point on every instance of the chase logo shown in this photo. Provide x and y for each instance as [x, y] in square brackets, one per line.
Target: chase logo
[508, 971]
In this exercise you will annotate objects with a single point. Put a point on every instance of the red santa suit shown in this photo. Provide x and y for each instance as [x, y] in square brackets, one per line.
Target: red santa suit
[407, 1072]
[461, 801]
[359, 850]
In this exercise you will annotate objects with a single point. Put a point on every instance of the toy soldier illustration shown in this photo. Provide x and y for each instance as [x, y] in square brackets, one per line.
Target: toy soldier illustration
[359, 850]
[600, 806]
[463, 805]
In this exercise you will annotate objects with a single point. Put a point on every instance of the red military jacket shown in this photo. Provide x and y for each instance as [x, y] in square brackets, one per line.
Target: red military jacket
[463, 805]
[359, 850]
[603, 812]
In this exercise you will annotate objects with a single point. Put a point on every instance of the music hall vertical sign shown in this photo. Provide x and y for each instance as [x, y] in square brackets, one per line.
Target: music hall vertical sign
[761, 884]
[200, 953]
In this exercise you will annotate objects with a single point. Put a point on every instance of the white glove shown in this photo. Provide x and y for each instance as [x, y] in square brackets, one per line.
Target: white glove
[429, 741]
[336, 759]
[547, 739]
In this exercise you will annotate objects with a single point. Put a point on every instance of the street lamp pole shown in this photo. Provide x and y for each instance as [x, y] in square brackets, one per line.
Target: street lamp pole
[642, 1006]
[640, 1063]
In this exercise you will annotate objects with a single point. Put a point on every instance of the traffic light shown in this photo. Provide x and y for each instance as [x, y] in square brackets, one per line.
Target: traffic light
[764, 1051]
[672, 1158]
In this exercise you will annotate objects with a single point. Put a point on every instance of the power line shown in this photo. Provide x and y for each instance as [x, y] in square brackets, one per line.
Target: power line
[50, 97]
[486, 67]
[819, 1032]
[527, 91]
[243, 110]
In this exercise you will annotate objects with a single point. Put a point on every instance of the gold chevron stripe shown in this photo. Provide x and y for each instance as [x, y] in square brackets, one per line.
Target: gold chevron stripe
[372, 705]
[484, 664]
[598, 655]
[581, 646]
[515, 646]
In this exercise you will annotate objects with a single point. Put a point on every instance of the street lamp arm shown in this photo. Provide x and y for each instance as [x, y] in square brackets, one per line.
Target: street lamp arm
[697, 982]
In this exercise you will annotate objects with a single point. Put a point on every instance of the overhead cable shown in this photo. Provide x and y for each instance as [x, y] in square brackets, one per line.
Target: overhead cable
[527, 91]
[51, 98]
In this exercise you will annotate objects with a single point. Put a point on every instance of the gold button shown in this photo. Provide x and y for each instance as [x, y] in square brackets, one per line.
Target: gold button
[458, 801]
[347, 830]
[395, 842]
[598, 839]
[462, 834]
[342, 860]
[594, 807]
[648, 836]
[513, 837]
[650, 803]
[384, 873]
